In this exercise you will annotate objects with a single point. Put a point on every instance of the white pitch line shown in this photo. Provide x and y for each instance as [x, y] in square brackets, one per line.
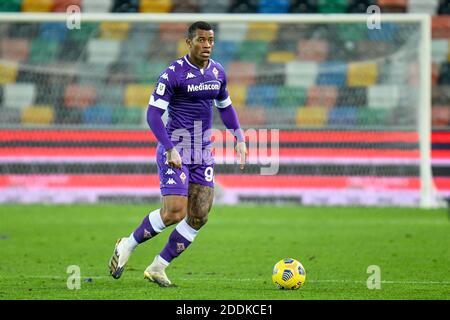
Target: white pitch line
[250, 280]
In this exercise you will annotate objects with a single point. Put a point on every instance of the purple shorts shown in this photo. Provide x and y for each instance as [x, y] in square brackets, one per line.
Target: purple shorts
[174, 181]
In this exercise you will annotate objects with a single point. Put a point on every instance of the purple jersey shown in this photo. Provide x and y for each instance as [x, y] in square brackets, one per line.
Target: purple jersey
[189, 93]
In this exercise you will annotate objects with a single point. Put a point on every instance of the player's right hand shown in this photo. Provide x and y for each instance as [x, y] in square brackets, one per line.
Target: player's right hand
[174, 158]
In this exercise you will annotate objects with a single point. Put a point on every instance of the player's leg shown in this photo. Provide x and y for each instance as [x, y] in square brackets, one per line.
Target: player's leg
[199, 204]
[173, 210]
[174, 189]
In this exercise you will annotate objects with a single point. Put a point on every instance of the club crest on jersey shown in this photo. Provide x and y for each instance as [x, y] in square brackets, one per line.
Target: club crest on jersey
[216, 73]
[183, 177]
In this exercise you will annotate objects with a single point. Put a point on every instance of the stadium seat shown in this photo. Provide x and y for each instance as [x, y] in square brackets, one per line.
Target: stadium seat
[332, 74]
[114, 30]
[273, 6]
[441, 96]
[148, 72]
[110, 95]
[103, 51]
[444, 7]
[70, 116]
[37, 6]
[440, 116]
[359, 6]
[125, 116]
[182, 48]
[354, 96]
[185, 6]
[125, 6]
[440, 27]
[435, 69]
[322, 96]
[238, 94]
[53, 31]
[11, 6]
[13, 49]
[38, 114]
[303, 6]
[271, 74]
[440, 50]
[98, 115]
[444, 74]
[362, 74]
[312, 117]
[261, 96]
[173, 31]
[62, 5]
[301, 74]
[352, 32]
[92, 73]
[10, 116]
[253, 51]
[233, 32]
[393, 6]
[336, 6]
[19, 95]
[155, 6]
[138, 95]
[225, 49]
[290, 97]
[214, 6]
[43, 51]
[381, 96]
[343, 116]
[387, 33]
[262, 31]
[373, 117]
[255, 116]
[89, 30]
[243, 6]
[423, 6]
[97, 6]
[280, 56]
[312, 50]
[79, 96]
[241, 73]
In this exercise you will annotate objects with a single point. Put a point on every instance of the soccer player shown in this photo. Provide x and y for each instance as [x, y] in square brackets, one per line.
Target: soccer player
[188, 89]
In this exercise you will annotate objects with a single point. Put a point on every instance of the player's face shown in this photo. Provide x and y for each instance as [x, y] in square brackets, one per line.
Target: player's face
[200, 47]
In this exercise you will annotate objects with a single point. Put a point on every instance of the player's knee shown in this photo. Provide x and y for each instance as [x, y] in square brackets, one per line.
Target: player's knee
[173, 214]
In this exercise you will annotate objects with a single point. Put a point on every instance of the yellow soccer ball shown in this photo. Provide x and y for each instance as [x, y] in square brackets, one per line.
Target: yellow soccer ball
[288, 274]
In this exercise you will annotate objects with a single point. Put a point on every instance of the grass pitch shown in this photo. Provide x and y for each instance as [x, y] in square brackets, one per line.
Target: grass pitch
[232, 257]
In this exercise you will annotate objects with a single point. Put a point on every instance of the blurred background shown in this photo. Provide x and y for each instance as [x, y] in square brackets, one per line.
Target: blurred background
[345, 98]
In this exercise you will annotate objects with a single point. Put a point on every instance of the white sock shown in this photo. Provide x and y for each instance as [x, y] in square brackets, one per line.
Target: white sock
[156, 220]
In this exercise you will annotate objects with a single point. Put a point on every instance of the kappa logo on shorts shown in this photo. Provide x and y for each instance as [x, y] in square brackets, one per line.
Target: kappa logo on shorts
[180, 247]
[171, 181]
[183, 177]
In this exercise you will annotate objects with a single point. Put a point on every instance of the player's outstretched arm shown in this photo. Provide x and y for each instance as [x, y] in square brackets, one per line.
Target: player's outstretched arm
[231, 121]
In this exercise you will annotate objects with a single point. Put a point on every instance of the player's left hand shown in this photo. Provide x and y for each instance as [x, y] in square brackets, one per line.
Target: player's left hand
[241, 153]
